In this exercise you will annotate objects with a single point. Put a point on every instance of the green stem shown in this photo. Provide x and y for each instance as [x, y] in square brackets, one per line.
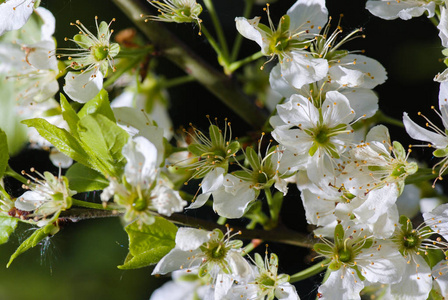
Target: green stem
[238, 64]
[251, 246]
[126, 52]
[221, 220]
[86, 204]
[311, 271]
[279, 234]
[380, 117]
[273, 207]
[212, 42]
[120, 71]
[168, 45]
[14, 174]
[239, 37]
[218, 29]
[169, 83]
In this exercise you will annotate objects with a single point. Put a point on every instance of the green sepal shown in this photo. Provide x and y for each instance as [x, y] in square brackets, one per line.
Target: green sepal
[233, 147]
[83, 41]
[235, 244]
[406, 226]
[259, 261]
[440, 152]
[339, 236]
[70, 116]
[4, 153]
[283, 278]
[243, 175]
[197, 149]
[399, 150]
[203, 270]
[61, 139]
[313, 149]
[83, 179]
[7, 227]
[252, 159]
[334, 265]
[445, 52]
[359, 273]
[323, 249]
[216, 136]
[105, 140]
[284, 23]
[148, 244]
[98, 105]
[34, 239]
[273, 263]
[114, 49]
[103, 29]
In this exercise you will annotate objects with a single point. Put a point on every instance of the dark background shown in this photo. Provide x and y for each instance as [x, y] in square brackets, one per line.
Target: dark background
[80, 262]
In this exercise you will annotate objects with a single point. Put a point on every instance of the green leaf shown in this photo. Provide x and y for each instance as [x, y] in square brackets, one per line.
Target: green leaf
[4, 153]
[197, 149]
[7, 226]
[33, 240]
[104, 139]
[149, 243]
[83, 179]
[70, 116]
[61, 139]
[98, 105]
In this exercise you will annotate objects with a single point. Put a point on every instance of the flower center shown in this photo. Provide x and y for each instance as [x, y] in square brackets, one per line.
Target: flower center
[345, 255]
[411, 241]
[100, 53]
[266, 280]
[399, 170]
[321, 136]
[139, 204]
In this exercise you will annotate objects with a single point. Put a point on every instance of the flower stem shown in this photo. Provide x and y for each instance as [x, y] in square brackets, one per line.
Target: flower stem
[120, 71]
[86, 204]
[223, 87]
[213, 43]
[311, 271]
[14, 174]
[251, 246]
[279, 234]
[380, 117]
[177, 81]
[218, 29]
[273, 207]
[239, 37]
[221, 220]
[238, 64]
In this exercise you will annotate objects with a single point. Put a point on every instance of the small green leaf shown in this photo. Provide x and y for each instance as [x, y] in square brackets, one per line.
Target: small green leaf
[323, 248]
[284, 24]
[4, 153]
[98, 105]
[70, 116]
[61, 139]
[33, 240]
[399, 150]
[197, 149]
[83, 179]
[149, 243]
[104, 139]
[7, 226]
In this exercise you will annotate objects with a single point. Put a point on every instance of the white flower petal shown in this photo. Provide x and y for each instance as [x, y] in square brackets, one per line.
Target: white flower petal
[422, 134]
[341, 285]
[190, 238]
[14, 14]
[300, 68]
[176, 259]
[309, 15]
[416, 282]
[82, 87]
[249, 29]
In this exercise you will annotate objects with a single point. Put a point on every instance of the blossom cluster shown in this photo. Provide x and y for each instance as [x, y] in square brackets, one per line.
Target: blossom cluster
[321, 136]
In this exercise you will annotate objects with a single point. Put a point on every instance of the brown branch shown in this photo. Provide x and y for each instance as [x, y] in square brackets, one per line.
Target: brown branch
[180, 54]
